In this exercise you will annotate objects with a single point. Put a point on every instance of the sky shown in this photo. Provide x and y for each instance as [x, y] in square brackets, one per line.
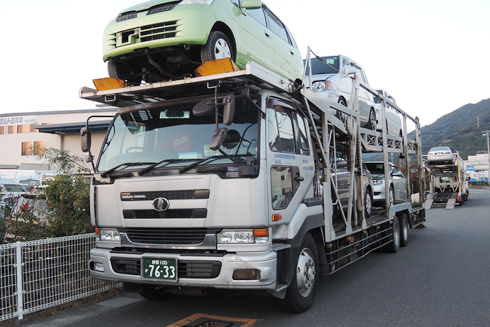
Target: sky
[430, 55]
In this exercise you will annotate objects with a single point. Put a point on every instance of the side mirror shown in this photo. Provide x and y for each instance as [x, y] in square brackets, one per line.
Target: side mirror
[218, 138]
[228, 109]
[251, 4]
[86, 139]
[349, 71]
[232, 139]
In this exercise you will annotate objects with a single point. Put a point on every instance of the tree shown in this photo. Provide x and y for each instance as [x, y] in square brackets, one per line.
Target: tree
[61, 160]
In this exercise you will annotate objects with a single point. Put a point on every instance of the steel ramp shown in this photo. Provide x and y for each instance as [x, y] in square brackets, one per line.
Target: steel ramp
[430, 199]
[451, 202]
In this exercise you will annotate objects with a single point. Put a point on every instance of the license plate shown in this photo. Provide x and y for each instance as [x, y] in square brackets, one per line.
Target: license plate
[160, 268]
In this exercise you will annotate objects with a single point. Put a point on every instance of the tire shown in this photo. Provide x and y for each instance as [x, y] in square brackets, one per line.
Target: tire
[371, 124]
[404, 230]
[301, 292]
[394, 244]
[342, 116]
[155, 294]
[218, 46]
[392, 197]
[368, 203]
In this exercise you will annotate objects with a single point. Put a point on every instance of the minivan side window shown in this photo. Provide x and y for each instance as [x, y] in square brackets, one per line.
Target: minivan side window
[276, 26]
[257, 14]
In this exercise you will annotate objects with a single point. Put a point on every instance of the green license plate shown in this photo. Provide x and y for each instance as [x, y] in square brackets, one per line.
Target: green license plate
[160, 268]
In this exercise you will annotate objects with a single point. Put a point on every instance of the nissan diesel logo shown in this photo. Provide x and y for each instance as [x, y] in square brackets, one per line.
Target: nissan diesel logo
[160, 204]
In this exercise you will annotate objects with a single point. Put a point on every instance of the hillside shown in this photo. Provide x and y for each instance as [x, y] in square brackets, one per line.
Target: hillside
[459, 130]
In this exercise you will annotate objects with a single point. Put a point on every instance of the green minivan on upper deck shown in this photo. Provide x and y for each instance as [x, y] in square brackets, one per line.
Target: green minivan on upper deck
[162, 40]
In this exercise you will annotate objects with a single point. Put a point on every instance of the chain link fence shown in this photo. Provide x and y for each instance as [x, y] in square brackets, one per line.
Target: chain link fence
[37, 275]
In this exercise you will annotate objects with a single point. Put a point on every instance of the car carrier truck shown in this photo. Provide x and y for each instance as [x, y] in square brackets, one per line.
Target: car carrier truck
[228, 182]
[448, 184]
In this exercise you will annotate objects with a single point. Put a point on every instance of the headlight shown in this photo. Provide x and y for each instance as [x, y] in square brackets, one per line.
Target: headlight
[192, 2]
[318, 86]
[378, 181]
[107, 234]
[245, 236]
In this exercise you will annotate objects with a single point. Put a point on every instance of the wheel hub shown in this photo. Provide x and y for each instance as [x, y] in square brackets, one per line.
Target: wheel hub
[221, 49]
[306, 273]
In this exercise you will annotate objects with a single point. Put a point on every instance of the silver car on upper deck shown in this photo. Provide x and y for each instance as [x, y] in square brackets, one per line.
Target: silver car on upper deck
[329, 76]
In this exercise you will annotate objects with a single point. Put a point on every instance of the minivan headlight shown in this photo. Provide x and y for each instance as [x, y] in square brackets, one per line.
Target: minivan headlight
[318, 86]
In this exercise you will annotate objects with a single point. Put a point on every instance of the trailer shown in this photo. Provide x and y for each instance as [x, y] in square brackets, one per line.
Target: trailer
[448, 184]
[230, 182]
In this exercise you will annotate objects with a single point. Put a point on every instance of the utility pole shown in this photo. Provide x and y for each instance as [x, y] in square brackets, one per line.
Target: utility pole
[488, 154]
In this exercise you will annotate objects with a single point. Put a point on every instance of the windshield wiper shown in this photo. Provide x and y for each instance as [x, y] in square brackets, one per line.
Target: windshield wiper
[147, 169]
[192, 165]
[107, 172]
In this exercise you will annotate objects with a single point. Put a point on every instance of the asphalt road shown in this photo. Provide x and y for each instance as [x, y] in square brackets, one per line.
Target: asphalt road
[441, 279]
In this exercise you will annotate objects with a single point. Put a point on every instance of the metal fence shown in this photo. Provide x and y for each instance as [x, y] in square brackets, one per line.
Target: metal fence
[37, 275]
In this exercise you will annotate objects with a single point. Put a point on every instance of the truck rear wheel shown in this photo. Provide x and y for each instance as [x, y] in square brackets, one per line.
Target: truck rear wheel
[301, 292]
[403, 230]
[394, 245]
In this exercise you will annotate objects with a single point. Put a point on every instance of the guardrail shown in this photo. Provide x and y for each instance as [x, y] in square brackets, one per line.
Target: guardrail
[37, 275]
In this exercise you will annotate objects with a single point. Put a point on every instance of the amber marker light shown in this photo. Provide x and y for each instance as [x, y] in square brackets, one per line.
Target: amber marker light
[97, 231]
[276, 217]
[261, 232]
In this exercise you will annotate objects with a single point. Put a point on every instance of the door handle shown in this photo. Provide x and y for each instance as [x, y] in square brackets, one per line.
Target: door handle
[266, 34]
[291, 51]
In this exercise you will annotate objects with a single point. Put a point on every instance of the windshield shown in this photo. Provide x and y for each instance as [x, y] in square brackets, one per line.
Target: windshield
[13, 188]
[329, 65]
[172, 136]
[375, 168]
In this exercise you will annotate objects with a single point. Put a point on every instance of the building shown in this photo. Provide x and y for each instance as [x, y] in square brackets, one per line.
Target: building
[24, 135]
[477, 167]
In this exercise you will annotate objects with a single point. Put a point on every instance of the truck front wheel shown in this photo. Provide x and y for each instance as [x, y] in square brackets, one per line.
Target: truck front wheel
[301, 292]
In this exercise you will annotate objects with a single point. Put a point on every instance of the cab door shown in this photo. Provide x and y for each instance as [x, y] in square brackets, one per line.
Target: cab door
[290, 161]
[256, 40]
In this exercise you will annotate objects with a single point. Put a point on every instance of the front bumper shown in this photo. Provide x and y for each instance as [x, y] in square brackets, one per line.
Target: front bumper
[194, 270]
[189, 24]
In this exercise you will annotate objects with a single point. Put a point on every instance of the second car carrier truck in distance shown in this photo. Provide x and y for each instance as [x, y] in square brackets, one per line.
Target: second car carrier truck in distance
[230, 182]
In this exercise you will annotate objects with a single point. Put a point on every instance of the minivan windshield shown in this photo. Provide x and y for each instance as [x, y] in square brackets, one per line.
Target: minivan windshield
[170, 135]
[328, 65]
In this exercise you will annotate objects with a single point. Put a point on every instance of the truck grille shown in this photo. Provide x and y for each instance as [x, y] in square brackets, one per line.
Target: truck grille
[168, 214]
[166, 235]
[187, 268]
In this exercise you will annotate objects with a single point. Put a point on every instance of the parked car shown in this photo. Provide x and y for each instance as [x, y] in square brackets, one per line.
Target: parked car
[330, 78]
[10, 191]
[393, 120]
[341, 176]
[442, 155]
[167, 39]
[397, 183]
